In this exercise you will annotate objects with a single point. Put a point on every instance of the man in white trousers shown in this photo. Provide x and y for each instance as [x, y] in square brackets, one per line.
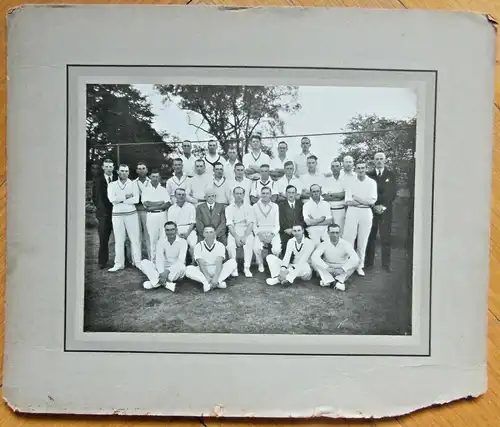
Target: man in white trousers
[255, 158]
[240, 221]
[267, 226]
[360, 196]
[317, 215]
[334, 259]
[124, 195]
[156, 201]
[334, 194]
[183, 214]
[143, 182]
[170, 261]
[211, 270]
[295, 263]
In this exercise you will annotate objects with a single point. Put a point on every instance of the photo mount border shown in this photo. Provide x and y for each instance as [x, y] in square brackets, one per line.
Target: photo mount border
[434, 121]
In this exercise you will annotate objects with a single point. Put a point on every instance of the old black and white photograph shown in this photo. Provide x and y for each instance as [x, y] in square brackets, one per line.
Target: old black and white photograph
[249, 209]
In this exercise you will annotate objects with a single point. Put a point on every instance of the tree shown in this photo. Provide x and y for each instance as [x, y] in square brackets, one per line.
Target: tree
[231, 114]
[396, 138]
[118, 114]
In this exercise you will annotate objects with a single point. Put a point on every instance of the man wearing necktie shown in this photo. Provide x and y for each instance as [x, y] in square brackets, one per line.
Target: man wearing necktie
[104, 210]
[382, 212]
[290, 212]
[212, 214]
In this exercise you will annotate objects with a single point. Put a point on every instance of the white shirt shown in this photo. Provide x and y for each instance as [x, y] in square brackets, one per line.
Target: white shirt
[365, 190]
[348, 179]
[229, 169]
[250, 160]
[316, 210]
[333, 185]
[283, 182]
[277, 163]
[155, 194]
[173, 183]
[240, 217]
[172, 253]
[196, 186]
[258, 185]
[116, 195]
[307, 180]
[209, 254]
[267, 217]
[210, 160]
[222, 189]
[342, 254]
[246, 184]
[301, 252]
[301, 164]
[142, 186]
[183, 216]
[379, 172]
[188, 165]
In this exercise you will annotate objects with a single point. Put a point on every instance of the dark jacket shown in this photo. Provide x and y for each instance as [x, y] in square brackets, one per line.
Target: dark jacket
[100, 196]
[217, 219]
[289, 217]
[386, 186]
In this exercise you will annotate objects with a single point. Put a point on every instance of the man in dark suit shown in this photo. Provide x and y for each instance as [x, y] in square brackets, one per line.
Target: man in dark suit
[290, 211]
[210, 213]
[382, 212]
[103, 210]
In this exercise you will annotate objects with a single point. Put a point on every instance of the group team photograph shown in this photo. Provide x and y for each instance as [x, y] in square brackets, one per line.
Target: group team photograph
[265, 223]
[213, 206]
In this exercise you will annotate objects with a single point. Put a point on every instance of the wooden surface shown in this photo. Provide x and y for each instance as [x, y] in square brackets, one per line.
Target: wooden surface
[483, 411]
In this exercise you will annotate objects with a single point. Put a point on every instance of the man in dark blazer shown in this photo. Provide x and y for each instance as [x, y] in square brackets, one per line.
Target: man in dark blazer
[290, 211]
[382, 212]
[103, 210]
[210, 213]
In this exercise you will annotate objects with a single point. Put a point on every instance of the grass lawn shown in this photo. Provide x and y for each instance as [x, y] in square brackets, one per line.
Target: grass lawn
[378, 303]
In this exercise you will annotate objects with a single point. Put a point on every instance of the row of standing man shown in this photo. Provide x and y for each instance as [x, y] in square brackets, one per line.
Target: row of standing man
[201, 193]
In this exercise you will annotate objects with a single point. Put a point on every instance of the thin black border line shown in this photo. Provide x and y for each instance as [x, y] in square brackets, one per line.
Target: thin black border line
[435, 72]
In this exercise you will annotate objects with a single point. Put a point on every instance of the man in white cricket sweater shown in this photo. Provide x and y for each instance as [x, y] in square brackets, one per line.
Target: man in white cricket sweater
[170, 262]
[360, 196]
[124, 195]
[240, 221]
[334, 259]
[211, 271]
[266, 226]
[295, 263]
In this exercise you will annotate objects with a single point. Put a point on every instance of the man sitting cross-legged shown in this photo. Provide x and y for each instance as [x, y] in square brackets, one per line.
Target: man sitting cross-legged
[334, 259]
[211, 271]
[298, 247]
[170, 260]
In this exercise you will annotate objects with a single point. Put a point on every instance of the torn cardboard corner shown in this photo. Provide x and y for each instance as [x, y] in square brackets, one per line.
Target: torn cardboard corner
[492, 21]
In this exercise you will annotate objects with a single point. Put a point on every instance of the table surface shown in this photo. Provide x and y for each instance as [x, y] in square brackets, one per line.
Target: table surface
[483, 411]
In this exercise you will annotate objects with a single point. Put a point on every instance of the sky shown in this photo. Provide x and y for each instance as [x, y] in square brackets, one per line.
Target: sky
[324, 109]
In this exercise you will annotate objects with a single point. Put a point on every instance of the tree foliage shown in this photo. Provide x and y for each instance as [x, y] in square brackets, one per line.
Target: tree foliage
[231, 114]
[118, 114]
[396, 138]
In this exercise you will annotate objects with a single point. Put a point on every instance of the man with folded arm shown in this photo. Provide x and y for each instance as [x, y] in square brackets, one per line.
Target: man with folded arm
[334, 259]
[170, 262]
[295, 262]
[211, 270]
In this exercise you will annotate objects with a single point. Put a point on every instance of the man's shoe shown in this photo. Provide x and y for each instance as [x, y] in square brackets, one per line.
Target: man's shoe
[170, 286]
[115, 268]
[360, 272]
[340, 286]
[248, 273]
[272, 281]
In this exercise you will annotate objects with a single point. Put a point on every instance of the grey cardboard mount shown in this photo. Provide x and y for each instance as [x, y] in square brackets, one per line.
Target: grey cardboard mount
[51, 366]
